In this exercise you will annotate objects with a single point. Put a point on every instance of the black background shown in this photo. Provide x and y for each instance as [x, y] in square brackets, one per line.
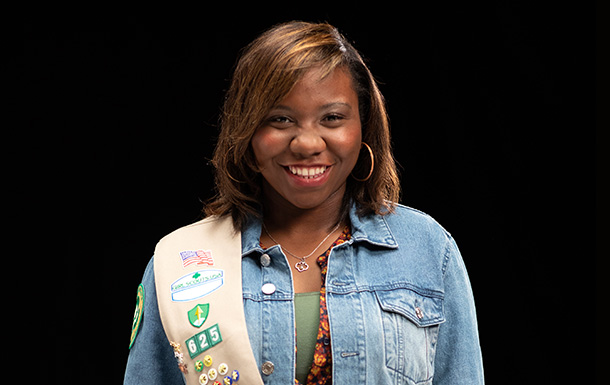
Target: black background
[492, 111]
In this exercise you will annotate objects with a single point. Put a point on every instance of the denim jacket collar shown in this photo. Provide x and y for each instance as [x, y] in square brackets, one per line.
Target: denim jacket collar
[372, 229]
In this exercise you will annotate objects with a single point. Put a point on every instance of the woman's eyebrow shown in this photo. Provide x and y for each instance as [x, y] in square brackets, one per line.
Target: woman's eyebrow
[335, 104]
[282, 107]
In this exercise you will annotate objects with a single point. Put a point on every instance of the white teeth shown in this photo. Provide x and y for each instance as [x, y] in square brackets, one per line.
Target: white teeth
[307, 172]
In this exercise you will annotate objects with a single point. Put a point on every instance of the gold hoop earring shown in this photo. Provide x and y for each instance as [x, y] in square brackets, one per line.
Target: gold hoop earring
[372, 165]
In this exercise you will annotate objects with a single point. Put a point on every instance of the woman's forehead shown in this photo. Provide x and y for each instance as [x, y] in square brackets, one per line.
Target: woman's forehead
[333, 90]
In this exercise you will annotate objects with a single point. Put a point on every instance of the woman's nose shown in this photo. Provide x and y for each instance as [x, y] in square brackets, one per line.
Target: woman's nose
[307, 143]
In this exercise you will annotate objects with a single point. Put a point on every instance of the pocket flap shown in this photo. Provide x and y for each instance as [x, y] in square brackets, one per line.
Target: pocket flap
[421, 310]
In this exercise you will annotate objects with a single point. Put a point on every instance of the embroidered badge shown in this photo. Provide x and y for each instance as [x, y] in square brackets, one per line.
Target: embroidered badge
[198, 314]
[197, 257]
[196, 285]
[202, 341]
[137, 315]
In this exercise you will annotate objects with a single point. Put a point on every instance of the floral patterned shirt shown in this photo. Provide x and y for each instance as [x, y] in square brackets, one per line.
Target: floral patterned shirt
[321, 368]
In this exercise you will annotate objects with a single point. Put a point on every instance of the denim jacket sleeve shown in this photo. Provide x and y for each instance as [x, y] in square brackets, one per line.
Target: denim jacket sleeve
[458, 356]
[151, 358]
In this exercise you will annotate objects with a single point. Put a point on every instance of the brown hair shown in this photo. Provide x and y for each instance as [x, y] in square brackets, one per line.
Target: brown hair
[266, 72]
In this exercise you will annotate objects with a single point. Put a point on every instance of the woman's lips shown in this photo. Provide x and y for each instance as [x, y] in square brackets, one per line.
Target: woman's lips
[308, 172]
[308, 176]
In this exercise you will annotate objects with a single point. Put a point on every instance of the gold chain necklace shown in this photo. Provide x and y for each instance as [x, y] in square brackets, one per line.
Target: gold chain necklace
[301, 266]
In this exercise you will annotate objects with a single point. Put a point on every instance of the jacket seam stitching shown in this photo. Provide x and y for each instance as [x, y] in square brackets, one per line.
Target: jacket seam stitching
[446, 256]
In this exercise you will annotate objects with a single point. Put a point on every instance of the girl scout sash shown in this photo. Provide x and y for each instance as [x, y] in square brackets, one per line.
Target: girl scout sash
[199, 291]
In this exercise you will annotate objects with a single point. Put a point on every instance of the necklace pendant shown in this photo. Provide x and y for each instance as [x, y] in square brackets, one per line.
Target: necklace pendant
[301, 266]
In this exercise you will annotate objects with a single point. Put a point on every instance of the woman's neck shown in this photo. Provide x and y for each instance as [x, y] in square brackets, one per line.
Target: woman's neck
[302, 232]
[282, 216]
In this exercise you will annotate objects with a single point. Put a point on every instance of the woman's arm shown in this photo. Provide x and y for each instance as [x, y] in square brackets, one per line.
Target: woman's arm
[151, 358]
[458, 353]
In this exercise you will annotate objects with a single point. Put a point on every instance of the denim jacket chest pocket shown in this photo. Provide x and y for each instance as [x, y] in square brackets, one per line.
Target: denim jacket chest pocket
[410, 324]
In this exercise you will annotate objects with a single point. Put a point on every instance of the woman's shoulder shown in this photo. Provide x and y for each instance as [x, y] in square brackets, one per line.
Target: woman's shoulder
[408, 221]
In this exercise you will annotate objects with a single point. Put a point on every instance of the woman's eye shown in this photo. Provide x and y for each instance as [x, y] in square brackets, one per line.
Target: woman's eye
[280, 119]
[333, 119]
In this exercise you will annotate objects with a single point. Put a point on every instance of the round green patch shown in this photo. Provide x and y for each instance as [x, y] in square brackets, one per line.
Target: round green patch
[137, 315]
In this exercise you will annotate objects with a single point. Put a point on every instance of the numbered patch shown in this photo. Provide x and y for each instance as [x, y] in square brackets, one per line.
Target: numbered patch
[201, 342]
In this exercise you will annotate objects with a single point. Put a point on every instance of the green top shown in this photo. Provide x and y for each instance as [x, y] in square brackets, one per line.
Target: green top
[307, 309]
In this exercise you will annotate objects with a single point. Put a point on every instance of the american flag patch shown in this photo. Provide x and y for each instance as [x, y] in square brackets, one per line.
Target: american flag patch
[199, 257]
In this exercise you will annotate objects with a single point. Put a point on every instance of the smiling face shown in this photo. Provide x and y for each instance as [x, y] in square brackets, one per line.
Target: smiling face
[309, 142]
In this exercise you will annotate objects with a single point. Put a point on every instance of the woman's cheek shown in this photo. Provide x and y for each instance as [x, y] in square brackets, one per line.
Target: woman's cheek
[267, 143]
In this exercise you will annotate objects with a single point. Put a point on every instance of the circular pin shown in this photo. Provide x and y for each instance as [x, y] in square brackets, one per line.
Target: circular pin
[203, 379]
[199, 366]
[268, 288]
[227, 380]
[235, 375]
[223, 369]
[207, 360]
[212, 374]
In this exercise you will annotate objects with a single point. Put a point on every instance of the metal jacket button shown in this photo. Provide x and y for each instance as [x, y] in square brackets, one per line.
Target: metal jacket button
[265, 260]
[268, 288]
[267, 368]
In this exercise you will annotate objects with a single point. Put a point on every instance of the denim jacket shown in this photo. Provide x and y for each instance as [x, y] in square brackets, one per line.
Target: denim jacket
[400, 309]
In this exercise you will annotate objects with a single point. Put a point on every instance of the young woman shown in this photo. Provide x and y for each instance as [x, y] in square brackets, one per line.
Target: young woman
[305, 270]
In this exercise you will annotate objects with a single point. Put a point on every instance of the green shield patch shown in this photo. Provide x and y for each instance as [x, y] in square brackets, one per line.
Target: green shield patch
[199, 314]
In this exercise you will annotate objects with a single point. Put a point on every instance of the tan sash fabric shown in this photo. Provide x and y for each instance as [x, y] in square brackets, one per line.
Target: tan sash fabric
[198, 269]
